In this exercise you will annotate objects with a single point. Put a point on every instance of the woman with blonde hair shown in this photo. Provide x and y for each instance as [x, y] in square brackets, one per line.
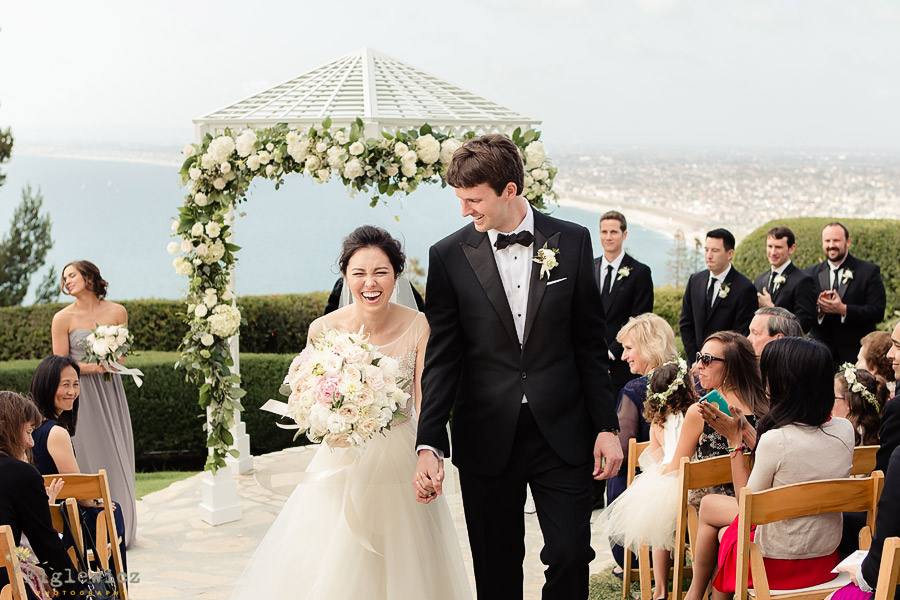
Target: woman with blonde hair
[648, 342]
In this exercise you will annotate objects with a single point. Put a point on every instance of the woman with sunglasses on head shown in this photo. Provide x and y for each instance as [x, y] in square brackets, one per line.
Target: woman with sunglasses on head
[799, 441]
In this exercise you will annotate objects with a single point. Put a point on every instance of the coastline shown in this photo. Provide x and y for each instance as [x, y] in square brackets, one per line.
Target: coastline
[666, 222]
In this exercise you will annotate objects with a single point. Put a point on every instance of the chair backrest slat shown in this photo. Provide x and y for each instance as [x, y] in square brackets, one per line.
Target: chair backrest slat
[889, 571]
[16, 587]
[863, 460]
[811, 498]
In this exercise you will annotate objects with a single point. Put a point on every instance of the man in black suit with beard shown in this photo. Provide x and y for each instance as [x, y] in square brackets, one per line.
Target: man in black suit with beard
[784, 284]
[851, 297]
[626, 290]
[718, 298]
[517, 351]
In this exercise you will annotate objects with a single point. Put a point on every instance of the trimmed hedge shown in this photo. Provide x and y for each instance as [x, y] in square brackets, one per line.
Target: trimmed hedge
[874, 240]
[165, 415]
[275, 324]
[667, 304]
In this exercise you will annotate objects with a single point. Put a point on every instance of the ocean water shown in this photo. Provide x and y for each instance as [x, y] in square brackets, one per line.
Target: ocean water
[118, 215]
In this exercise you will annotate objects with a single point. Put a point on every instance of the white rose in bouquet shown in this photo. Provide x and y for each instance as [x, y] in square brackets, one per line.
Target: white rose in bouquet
[213, 229]
[175, 225]
[408, 169]
[448, 147]
[335, 156]
[253, 162]
[357, 148]
[194, 173]
[299, 150]
[321, 147]
[224, 321]
[219, 183]
[197, 229]
[227, 296]
[207, 339]
[189, 151]
[201, 311]
[292, 137]
[100, 347]
[201, 249]
[400, 149]
[392, 171]
[221, 148]
[182, 266]
[353, 169]
[428, 149]
[323, 175]
[264, 157]
[201, 199]
[172, 248]
[225, 167]
[214, 253]
[186, 246]
[207, 161]
[246, 143]
[340, 137]
[539, 174]
[312, 164]
[270, 146]
[534, 155]
[270, 170]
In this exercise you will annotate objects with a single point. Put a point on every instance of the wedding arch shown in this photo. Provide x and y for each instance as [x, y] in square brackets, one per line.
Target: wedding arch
[378, 125]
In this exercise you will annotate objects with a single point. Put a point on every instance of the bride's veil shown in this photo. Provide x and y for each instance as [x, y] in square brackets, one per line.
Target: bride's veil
[402, 294]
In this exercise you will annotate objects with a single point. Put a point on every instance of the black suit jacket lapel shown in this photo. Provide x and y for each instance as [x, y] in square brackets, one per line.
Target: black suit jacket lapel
[824, 276]
[786, 273]
[626, 262]
[538, 286]
[480, 255]
[848, 266]
[718, 299]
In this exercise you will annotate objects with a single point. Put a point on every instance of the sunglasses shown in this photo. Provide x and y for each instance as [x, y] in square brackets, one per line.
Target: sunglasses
[707, 359]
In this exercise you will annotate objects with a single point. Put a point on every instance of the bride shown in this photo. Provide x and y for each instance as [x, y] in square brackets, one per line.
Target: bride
[397, 547]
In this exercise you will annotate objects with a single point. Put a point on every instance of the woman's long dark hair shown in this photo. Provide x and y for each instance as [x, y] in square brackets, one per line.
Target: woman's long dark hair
[741, 374]
[799, 378]
[44, 384]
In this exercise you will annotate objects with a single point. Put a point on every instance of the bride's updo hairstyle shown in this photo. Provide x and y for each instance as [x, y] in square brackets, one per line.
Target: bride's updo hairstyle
[369, 236]
[92, 279]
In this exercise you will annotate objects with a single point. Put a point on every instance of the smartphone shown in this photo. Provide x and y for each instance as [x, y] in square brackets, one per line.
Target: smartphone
[714, 397]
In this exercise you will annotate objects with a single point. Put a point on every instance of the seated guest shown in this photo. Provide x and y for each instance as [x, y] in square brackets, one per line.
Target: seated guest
[647, 342]
[873, 357]
[798, 442]
[772, 323]
[859, 397]
[887, 524]
[24, 503]
[54, 388]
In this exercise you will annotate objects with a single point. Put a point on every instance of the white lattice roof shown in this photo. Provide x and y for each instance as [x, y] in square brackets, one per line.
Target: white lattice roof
[385, 92]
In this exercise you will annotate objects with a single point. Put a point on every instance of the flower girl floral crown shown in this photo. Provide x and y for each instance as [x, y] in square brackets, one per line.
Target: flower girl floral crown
[848, 372]
[678, 381]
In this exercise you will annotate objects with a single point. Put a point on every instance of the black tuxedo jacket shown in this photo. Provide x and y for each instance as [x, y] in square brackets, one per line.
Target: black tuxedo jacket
[889, 433]
[475, 365]
[631, 296]
[797, 294]
[731, 313]
[887, 522]
[865, 298]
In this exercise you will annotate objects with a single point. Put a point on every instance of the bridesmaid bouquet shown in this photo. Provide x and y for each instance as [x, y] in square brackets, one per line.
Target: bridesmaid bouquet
[341, 390]
[105, 345]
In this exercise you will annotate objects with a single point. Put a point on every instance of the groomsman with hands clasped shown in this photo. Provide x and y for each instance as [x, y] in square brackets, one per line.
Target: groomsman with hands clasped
[784, 284]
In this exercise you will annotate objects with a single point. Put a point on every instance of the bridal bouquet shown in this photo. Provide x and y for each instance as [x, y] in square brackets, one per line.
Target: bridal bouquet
[341, 390]
[105, 345]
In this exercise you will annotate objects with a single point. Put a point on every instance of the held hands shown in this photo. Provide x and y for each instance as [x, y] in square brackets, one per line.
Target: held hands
[829, 302]
[607, 455]
[429, 478]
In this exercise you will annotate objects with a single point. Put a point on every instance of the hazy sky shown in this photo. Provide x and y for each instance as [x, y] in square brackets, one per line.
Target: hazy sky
[798, 74]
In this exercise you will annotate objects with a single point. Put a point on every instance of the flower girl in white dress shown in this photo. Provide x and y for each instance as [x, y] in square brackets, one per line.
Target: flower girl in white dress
[646, 512]
[356, 531]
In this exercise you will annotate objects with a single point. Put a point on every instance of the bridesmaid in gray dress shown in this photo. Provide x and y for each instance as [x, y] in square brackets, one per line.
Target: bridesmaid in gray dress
[104, 439]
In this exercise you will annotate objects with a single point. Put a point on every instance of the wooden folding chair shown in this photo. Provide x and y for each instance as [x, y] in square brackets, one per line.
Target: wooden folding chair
[863, 460]
[82, 486]
[889, 572]
[694, 476]
[15, 589]
[630, 574]
[789, 502]
[71, 508]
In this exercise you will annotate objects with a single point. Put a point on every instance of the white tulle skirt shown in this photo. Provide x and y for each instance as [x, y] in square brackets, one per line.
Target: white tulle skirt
[311, 550]
[646, 512]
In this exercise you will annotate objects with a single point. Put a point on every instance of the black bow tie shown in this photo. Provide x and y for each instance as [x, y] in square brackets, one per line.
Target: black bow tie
[523, 237]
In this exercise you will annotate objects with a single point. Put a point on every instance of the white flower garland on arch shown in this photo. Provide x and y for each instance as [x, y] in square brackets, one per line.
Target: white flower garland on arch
[218, 173]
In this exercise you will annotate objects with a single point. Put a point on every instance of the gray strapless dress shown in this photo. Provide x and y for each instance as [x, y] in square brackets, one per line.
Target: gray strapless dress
[103, 438]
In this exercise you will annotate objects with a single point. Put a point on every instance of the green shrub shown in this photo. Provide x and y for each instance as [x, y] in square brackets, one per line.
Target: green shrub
[874, 240]
[275, 324]
[667, 304]
[165, 415]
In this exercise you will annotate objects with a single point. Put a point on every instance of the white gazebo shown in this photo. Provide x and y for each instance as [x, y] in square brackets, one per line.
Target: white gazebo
[387, 95]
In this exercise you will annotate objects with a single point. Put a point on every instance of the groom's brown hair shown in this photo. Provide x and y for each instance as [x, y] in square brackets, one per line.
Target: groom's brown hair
[492, 159]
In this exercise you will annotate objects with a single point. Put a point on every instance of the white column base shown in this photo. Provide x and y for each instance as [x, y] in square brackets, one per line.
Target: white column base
[243, 464]
[219, 503]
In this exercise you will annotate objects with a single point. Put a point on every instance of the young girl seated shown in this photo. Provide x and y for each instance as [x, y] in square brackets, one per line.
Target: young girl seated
[859, 397]
[646, 512]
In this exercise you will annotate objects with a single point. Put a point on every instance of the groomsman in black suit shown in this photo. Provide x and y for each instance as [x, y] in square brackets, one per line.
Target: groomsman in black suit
[626, 290]
[784, 284]
[718, 298]
[851, 297]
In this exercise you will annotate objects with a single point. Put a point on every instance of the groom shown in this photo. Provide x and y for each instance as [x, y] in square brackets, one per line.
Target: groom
[517, 352]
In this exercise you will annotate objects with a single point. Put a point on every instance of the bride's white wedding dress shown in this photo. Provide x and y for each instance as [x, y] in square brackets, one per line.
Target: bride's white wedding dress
[311, 552]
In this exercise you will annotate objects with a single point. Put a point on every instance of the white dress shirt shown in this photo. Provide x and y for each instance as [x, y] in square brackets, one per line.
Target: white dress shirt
[514, 264]
[616, 263]
[835, 273]
[719, 279]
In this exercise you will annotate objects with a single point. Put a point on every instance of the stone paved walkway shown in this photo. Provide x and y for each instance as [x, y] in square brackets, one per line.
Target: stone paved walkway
[178, 556]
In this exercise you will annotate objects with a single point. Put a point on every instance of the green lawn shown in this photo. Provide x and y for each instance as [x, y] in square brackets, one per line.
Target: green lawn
[606, 586]
[150, 482]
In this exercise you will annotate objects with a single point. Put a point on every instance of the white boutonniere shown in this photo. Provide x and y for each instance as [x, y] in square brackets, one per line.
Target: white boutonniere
[846, 276]
[623, 273]
[546, 257]
[723, 291]
[779, 280]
